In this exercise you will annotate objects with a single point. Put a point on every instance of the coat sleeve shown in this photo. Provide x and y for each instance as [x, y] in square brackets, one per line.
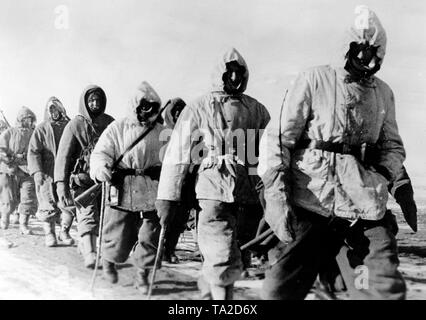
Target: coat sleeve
[177, 158]
[67, 154]
[295, 115]
[274, 158]
[5, 152]
[105, 151]
[391, 148]
[35, 148]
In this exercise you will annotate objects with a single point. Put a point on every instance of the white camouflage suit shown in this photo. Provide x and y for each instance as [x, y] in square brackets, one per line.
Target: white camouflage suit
[223, 183]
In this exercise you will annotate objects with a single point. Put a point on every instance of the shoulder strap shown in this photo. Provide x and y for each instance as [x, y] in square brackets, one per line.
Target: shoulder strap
[143, 135]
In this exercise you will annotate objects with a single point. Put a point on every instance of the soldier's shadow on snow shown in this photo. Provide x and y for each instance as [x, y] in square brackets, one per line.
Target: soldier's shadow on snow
[413, 250]
[173, 286]
[121, 266]
[414, 279]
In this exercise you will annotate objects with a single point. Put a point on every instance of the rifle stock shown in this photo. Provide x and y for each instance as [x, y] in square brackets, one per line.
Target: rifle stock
[5, 120]
[88, 197]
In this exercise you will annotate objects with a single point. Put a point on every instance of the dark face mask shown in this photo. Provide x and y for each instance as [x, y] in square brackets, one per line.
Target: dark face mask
[176, 111]
[146, 110]
[233, 77]
[362, 61]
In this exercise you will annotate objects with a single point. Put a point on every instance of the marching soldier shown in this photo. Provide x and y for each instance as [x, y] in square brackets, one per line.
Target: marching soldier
[41, 160]
[71, 173]
[226, 120]
[16, 184]
[131, 218]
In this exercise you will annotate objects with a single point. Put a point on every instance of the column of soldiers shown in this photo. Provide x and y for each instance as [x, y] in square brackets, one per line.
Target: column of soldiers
[325, 175]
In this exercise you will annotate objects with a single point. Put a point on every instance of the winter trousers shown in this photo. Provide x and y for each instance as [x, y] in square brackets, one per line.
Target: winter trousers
[176, 227]
[217, 240]
[124, 230]
[87, 218]
[48, 210]
[366, 253]
[17, 189]
[248, 220]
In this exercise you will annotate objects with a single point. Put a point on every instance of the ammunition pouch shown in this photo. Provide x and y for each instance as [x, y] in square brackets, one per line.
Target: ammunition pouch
[119, 174]
[80, 177]
[80, 180]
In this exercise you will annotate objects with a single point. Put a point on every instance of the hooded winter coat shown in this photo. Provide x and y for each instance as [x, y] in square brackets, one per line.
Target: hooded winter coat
[79, 133]
[168, 117]
[14, 145]
[323, 106]
[45, 140]
[138, 193]
[215, 118]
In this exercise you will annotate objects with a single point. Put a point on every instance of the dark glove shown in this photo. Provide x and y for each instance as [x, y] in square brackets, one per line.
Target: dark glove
[64, 195]
[404, 196]
[166, 210]
[153, 172]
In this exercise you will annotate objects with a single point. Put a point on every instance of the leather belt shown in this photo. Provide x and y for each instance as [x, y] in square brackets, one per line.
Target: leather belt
[336, 147]
[130, 172]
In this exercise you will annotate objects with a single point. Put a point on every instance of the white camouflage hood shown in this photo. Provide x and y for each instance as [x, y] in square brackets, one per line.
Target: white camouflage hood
[366, 27]
[230, 55]
[144, 91]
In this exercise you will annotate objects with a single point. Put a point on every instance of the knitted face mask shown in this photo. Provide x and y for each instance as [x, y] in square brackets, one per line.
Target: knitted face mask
[146, 110]
[362, 61]
[233, 77]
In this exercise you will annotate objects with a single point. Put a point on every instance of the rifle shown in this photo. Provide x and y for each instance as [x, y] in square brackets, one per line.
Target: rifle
[101, 227]
[5, 120]
[89, 196]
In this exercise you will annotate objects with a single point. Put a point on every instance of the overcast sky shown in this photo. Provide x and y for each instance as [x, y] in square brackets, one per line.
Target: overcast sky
[174, 45]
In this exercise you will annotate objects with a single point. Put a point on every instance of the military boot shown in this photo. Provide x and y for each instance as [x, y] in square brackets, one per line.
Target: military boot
[23, 224]
[142, 283]
[64, 235]
[49, 232]
[110, 271]
[87, 249]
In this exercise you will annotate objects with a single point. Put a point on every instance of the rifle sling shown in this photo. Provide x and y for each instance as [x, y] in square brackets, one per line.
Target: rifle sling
[134, 143]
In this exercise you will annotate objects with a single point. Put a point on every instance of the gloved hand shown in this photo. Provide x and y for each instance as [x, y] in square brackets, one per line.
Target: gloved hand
[39, 178]
[278, 211]
[404, 196]
[166, 210]
[103, 174]
[64, 195]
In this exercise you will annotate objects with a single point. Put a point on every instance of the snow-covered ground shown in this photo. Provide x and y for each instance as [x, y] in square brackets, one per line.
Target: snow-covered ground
[28, 270]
